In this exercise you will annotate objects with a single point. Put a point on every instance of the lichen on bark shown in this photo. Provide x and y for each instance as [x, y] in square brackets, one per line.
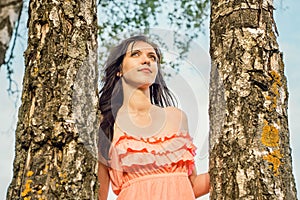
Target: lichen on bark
[55, 147]
[250, 156]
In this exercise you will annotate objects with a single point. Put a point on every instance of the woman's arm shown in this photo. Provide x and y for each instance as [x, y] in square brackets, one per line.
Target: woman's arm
[200, 183]
[103, 178]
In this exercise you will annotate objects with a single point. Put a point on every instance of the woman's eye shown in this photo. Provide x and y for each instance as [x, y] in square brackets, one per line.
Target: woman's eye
[133, 54]
[153, 58]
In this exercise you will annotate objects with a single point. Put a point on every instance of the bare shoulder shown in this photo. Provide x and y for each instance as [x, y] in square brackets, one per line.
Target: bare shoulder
[177, 117]
[175, 111]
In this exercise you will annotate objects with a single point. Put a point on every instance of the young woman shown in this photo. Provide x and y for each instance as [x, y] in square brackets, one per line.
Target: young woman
[146, 151]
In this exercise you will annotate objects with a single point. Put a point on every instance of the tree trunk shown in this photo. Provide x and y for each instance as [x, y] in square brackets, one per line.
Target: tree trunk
[57, 126]
[250, 154]
[10, 11]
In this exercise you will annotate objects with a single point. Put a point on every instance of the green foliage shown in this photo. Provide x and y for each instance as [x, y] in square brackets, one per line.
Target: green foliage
[120, 19]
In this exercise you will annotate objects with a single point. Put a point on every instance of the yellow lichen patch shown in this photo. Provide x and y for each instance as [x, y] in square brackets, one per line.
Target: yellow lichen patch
[268, 97]
[45, 171]
[277, 82]
[276, 77]
[27, 188]
[274, 103]
[270, 135]
[63, 175]
[35, 71]
[40, 191]
[274, 158]
[274, 89]
[27, 198]
[29, 173]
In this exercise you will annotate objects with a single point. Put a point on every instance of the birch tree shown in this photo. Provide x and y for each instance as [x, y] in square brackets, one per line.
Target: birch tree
[55, 138]
[250, 154]
[58, 121]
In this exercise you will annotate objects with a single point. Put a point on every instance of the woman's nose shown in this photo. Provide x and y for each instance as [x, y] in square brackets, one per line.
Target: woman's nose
[146, 60]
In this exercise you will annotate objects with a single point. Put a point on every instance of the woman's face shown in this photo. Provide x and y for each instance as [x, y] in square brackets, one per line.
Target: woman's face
[139, 66]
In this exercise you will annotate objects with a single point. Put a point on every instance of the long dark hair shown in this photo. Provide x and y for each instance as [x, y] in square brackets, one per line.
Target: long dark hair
[111, 95]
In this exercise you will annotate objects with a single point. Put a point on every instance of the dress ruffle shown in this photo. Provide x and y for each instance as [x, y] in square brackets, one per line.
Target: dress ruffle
[157, 151]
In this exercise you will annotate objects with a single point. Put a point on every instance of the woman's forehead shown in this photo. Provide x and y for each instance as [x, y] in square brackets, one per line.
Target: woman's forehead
[140, 45]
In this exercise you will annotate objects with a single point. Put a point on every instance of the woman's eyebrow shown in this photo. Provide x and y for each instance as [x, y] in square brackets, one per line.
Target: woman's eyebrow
[139, 50]
[152, 53]
[134, 50]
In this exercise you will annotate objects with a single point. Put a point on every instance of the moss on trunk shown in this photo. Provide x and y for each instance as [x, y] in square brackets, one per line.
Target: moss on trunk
[56, 133]
[250, 155]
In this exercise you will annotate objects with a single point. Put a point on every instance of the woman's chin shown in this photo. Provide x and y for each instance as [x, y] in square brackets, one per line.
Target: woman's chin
[144, 85]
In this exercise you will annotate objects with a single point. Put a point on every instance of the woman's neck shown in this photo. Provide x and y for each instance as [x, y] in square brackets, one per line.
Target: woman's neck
[136, 100]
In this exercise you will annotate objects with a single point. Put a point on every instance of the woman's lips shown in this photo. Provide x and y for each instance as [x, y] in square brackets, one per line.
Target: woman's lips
[147, 70]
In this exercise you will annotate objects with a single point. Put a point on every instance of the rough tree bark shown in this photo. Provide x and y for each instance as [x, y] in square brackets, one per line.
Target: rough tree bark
[10, 11]
[250, 155]
[57, 124]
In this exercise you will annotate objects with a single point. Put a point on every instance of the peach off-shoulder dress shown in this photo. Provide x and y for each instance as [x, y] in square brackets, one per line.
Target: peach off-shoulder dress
[152, 168]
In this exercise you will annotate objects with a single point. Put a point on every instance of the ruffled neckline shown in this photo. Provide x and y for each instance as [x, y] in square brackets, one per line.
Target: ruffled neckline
[160, 137]
[164, 149]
